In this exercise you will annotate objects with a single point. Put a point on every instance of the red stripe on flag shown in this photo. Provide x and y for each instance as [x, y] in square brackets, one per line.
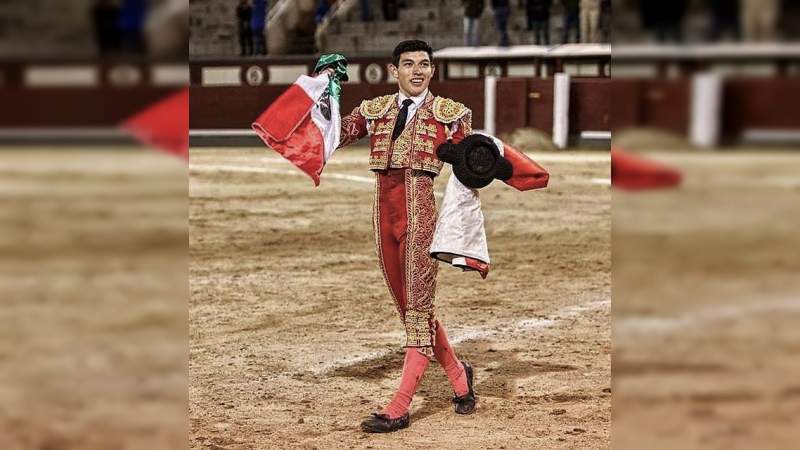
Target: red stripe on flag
[303, 148]
[287, 128]
[285, 114]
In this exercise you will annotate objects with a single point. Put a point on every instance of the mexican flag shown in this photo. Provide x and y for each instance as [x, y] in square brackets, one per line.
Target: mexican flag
[304, 123]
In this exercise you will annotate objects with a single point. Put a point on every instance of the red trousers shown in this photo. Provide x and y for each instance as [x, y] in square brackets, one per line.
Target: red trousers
[404, 218]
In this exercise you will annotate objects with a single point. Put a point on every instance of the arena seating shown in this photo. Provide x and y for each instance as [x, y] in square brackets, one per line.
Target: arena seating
[438, 22]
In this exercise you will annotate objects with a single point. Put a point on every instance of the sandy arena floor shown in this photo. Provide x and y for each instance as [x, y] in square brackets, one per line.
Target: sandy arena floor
[706, 306]
[294, 338]
[93, 268]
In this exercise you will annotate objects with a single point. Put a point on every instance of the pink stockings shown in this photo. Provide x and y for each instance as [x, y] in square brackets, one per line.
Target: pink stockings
[414, 367]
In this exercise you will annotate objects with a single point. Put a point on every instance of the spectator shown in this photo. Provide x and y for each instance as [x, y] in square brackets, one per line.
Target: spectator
[131, 26]
[366, 10]
[244, 14]
[473, 9]
[724, 19]
[664, 19]
[605, 21]
[166, 29]
[759, 19]
[105, 15]
[590, 19]
[571, 17]
[389, 10]
[672, 26]
[258, 25]
[502, 10]
[538, 12]
[322, 10]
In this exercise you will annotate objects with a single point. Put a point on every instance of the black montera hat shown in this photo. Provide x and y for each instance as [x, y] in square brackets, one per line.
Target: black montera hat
[476, 161]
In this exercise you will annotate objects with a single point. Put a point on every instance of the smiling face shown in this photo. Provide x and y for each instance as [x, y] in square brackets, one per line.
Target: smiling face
[414, 72]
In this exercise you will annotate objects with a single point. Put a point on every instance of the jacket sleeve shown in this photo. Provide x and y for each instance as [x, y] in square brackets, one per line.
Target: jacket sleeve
[354, 127]
[462, 127]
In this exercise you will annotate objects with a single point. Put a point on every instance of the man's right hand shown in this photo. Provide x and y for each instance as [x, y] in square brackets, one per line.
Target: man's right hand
[327, 70]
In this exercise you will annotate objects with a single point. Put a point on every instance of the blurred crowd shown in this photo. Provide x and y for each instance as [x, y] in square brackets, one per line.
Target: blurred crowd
[251, 24]
[580, 19]
[139, 27]
[750, 20]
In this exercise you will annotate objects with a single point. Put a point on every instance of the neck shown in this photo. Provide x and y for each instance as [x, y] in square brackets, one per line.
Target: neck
[411, 95]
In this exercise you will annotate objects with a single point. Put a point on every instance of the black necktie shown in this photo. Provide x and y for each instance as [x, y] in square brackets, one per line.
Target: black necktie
[400, 124]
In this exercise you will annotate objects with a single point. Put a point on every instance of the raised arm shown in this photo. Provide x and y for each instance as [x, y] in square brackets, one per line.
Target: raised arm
[354, 127]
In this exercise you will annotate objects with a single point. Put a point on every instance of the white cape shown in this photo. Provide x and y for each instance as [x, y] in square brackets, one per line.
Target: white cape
[460, 231]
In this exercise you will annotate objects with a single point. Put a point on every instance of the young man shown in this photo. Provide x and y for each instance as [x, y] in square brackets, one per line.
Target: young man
[405, 130]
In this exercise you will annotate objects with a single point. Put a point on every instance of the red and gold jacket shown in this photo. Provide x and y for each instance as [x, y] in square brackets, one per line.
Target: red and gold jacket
[437, 120]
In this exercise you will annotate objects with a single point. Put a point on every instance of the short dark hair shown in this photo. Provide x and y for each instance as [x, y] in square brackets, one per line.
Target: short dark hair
[413, 45]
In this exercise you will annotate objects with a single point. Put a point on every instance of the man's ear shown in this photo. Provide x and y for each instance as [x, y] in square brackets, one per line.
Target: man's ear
[393, 71]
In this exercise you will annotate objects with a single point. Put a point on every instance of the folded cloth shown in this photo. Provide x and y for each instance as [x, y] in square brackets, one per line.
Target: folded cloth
[631, 172]
[460, 235]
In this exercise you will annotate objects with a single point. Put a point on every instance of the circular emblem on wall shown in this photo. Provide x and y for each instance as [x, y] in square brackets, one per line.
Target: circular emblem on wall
[254, 75]
[373, 73]
[124, 75]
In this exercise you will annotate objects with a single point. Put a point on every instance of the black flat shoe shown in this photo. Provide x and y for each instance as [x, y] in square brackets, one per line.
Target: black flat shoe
[465, 404]
[381, 423]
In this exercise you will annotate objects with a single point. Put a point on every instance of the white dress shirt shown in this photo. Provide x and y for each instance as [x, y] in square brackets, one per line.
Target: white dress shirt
[412, 108]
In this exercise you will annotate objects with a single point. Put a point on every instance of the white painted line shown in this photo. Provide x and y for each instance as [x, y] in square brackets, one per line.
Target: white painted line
[459, 336]
[326, 176]
[696, 319]
[214, 132]
[297, 172]
[344, 157]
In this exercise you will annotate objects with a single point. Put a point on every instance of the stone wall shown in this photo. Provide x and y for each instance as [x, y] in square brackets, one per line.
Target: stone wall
[49, 28]
[45, 27]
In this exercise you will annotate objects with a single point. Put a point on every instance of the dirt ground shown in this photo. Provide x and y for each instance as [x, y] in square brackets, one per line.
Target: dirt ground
[93, 316]
[294, 338]
[706, 306]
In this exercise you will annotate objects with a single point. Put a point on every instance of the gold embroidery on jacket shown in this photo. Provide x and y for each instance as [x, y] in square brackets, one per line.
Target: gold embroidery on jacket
[381, 144]
[401, 150]
[376, 107]
[424, 145]
[428, 129]
[447, 110]
[384, 128]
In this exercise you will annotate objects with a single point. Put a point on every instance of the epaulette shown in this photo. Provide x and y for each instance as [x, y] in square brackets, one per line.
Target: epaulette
[447, 110]
[376, 107]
